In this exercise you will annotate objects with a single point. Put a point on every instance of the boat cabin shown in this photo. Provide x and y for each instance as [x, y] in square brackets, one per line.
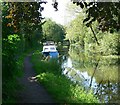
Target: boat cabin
[49, 49]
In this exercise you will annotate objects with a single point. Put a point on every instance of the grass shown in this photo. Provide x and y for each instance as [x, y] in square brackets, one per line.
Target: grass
[60, 87]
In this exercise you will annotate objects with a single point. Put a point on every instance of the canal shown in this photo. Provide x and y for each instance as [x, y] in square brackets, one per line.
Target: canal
[93, 72]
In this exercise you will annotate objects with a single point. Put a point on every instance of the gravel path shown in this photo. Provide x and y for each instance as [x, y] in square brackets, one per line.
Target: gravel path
[33, 92]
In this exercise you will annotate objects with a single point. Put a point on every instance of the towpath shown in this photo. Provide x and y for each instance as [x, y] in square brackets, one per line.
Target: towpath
[32, 92]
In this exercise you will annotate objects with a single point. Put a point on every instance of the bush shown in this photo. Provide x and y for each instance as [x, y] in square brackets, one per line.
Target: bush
[11, 67]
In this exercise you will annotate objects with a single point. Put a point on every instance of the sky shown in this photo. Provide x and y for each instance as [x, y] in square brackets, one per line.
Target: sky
[57, 16]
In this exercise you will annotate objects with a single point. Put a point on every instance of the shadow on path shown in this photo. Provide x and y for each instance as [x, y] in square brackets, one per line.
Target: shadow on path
[33, 92]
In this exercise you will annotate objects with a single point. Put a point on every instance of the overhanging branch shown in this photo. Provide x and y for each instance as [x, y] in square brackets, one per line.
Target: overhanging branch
[94, 35]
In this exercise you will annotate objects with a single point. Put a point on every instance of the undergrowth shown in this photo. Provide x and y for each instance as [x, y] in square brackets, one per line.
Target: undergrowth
[60, 87]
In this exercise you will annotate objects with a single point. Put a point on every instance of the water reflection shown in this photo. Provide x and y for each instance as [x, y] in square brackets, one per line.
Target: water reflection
[93, 72]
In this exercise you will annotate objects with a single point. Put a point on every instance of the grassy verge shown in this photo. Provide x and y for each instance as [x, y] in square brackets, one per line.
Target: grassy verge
[59, 86]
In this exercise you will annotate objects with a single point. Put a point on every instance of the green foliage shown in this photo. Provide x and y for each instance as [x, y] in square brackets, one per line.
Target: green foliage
[53, 31]
[85, 41]
[12, 70]
[44, 65]
[10, 50]
[9, 90]
[5, 29]
[106, 14]
[24, 11]
[61, 88]
[20, 23]
[11, 66]
[109, 44]
[23, 19]
[76, 32]
[15, 19]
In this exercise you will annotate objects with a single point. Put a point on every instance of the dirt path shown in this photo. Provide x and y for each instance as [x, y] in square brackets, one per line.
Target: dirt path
[33, 92]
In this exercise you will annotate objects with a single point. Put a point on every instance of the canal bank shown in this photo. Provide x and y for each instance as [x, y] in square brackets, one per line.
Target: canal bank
[62, 89]
[96, 73]
[92, 73]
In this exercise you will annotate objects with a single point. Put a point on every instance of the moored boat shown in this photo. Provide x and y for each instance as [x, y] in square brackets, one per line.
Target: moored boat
[49, 49]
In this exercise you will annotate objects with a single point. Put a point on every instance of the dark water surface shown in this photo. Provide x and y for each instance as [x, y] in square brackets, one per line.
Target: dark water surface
[93, 72]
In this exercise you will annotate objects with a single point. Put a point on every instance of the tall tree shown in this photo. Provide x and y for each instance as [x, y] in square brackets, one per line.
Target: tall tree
[23, 18]
[28, 12]
[53, 31]
[77, 31]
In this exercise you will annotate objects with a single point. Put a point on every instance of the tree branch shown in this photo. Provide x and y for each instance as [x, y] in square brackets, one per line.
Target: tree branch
[94, 35]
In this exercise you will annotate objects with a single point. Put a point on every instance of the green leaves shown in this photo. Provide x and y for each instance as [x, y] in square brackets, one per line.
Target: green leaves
[9, 56]
[83, 38]
[106, 13]
[53, 31]
[13, 38]
[76, 32]
[23, 18]
[23, 11]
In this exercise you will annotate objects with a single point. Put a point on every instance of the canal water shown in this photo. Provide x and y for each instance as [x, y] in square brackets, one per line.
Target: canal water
[96, 73]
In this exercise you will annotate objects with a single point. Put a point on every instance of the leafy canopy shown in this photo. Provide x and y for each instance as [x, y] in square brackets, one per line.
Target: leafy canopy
[106, 13]
[53, 31]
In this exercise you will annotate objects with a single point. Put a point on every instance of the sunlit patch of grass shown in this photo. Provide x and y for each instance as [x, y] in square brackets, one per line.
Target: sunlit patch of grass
[63, 90]
[60, 87]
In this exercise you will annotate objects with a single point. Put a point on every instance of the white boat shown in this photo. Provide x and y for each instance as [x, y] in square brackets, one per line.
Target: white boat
[49, 49]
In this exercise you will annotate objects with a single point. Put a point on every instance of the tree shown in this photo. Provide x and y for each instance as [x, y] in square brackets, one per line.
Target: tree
[21, 23]
[6, 30]
[28, 12]
[53, 31]
[16, 18]
[77, 31]
[82, 37]
[24, 19]
[106, 14]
